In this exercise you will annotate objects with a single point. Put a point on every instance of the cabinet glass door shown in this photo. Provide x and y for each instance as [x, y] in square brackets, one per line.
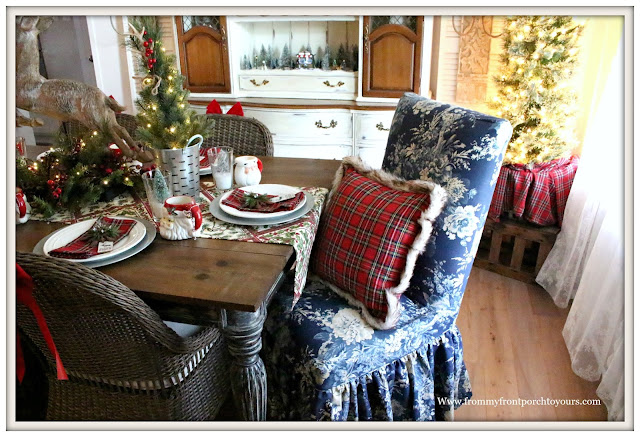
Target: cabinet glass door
[392, 49]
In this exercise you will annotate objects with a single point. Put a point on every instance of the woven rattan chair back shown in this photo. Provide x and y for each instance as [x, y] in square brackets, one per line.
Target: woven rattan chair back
[73, 129]
[246, 135]
[112, 343]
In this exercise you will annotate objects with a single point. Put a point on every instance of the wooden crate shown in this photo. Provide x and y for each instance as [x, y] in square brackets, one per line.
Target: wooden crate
[515, 248]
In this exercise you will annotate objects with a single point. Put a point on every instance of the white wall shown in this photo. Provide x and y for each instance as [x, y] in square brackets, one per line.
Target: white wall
[109, 59]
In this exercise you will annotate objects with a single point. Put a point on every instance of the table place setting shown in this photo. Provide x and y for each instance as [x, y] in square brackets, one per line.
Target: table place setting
[295, 226]
[98, 241]
[260, 213]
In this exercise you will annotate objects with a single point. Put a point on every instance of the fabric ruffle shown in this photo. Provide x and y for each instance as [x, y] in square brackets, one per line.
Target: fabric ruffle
[326, 363]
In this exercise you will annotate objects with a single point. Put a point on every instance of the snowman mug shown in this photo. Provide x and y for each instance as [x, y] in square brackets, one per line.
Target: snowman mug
[248, 171]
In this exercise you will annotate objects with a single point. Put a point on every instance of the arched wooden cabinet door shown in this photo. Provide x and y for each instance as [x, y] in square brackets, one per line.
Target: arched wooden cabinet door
[392, 49]
[204, 53]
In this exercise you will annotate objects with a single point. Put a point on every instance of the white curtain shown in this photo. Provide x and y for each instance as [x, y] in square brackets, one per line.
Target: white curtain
[586, 263]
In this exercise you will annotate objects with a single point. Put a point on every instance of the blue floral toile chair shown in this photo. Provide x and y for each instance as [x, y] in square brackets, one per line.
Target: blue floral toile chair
[324, 362]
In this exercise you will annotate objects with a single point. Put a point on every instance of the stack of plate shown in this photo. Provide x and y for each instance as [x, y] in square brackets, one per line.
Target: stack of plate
[237, 217]
[140, 236]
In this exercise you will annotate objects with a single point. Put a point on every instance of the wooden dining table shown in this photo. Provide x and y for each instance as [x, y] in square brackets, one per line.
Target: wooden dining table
[212, 281]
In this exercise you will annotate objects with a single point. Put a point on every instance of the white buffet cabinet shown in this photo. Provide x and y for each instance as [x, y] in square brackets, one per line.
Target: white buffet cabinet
[331, 133]
[315, 112]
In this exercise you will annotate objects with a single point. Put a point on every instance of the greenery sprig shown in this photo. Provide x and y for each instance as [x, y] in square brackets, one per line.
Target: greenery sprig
[101, 232]
[255, 200]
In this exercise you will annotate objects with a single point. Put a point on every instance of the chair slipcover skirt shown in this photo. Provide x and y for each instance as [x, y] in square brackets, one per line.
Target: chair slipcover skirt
[412, 372]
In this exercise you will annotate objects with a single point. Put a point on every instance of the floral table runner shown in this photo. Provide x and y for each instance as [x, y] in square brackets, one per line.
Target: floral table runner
[300, 234]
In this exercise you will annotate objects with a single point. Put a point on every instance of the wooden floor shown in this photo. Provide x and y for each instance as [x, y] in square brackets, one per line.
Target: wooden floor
[513, 348]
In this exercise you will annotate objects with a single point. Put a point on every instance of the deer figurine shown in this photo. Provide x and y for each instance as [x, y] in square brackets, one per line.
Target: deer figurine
[63, 99]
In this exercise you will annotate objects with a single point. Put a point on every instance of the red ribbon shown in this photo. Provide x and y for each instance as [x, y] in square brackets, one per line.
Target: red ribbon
[214, 108]
[24, 295]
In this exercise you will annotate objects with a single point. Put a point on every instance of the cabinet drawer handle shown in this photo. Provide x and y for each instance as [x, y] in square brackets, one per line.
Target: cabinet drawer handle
[331, 125]
[339, 84]
[380, 126]
[264, 82]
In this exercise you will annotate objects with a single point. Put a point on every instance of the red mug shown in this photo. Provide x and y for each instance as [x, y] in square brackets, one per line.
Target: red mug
[185, 203]
[21, 205]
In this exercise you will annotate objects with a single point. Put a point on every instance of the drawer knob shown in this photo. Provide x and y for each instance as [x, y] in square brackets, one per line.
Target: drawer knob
[380, 126]
[332, 124]
[327, 83]
[264, 82]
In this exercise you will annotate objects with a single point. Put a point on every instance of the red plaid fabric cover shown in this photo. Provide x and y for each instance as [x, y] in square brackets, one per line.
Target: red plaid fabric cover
[364, 236]
[235, 200]
[538, 195]
[82, 247]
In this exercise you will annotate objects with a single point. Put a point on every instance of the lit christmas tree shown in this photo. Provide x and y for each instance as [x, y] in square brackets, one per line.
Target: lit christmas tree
[165, 120]
[533, 91]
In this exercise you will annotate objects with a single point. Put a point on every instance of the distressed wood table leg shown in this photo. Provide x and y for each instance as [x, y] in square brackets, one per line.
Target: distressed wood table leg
[243, 334]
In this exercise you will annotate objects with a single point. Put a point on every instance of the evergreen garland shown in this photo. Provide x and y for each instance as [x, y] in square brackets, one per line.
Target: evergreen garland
[539, 56]
[76, 173]
[165, 120]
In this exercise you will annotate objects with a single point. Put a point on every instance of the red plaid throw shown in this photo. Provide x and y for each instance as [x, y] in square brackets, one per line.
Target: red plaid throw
[364, 236]
[82, 247]
[235, 200]
[538, 195]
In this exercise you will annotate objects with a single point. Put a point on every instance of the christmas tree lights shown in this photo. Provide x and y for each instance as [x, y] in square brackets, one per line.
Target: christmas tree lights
[539, 56]
[165, 120]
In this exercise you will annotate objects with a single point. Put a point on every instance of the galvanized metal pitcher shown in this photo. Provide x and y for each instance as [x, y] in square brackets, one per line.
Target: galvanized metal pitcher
[184, 166]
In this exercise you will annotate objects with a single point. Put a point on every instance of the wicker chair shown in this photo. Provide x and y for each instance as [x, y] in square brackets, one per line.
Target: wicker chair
[246, 135]
[73, 129]
[123, 362]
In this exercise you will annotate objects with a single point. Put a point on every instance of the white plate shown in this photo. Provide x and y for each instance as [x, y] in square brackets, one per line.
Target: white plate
[69, 233]
[275, 189]
[266, 219]
[149, 236]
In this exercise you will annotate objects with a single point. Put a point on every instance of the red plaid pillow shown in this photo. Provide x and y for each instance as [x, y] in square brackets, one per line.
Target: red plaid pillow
[373, 229]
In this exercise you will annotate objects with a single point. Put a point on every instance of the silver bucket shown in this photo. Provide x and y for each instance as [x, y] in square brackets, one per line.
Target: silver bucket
[184, 166]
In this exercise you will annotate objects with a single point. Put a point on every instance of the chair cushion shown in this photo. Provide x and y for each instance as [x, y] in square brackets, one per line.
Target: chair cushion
[370, 235]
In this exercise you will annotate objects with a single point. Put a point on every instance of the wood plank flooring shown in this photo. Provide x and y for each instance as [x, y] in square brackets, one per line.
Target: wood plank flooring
[513, 348]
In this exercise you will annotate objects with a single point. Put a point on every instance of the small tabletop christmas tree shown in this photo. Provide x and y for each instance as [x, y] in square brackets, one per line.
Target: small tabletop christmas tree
[165, 120]
[533, 94]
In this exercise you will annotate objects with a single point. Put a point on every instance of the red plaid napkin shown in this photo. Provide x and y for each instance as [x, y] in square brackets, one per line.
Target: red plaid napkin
[82, 247]
[204, 158]
[235, 200]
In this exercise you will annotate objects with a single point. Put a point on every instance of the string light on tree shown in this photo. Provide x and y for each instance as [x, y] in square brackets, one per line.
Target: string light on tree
[164, 121]
[539, 56]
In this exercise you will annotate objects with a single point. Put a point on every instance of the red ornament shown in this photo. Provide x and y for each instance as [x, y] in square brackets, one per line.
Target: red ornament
[146, 44]
[145, 33]
[150, 51]
[108, 171]
[50, 183]
[55, 195]
[150, 41]
[58, 191]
